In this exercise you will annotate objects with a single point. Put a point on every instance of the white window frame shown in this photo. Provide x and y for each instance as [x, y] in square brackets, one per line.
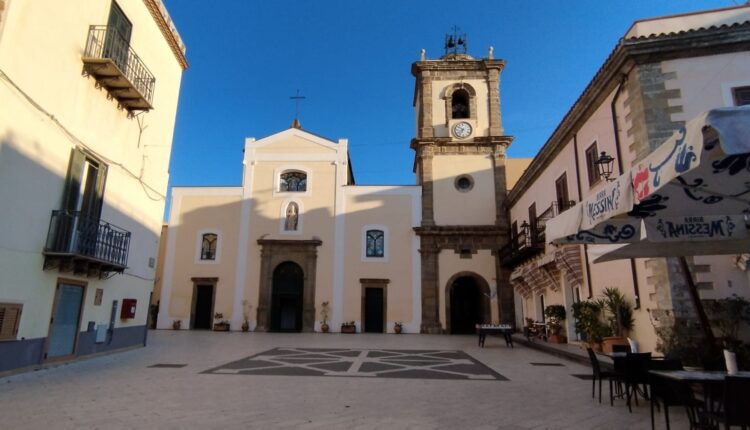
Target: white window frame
[296, 168]
[386, 243]
[300, 216]
[199, 245]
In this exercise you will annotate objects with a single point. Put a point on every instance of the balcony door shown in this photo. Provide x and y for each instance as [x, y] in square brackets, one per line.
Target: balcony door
[117, 42]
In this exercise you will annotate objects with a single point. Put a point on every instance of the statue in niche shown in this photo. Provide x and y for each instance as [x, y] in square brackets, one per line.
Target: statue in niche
[292, 213]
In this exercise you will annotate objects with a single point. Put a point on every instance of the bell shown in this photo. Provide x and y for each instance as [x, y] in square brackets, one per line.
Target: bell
[460, 41]
[450, 43]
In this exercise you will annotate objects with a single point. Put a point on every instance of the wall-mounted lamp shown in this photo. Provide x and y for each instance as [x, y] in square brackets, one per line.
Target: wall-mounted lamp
[604, 166]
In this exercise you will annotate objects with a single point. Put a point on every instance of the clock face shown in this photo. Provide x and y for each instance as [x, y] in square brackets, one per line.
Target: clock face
[462, 130]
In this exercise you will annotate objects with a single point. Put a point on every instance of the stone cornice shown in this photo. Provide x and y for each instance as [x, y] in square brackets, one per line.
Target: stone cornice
[167, 28]
[482, 141]
[628, 53]
[313, 242]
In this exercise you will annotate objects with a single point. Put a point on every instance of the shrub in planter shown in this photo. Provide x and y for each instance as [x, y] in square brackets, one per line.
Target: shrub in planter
[555, 315]
[588, 321]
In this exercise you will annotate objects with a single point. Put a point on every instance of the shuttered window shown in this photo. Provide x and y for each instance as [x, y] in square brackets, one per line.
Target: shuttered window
[10, 318]
[741, 96]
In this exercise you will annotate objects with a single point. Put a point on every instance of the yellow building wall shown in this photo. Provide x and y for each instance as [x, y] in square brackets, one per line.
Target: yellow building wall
[454, 207]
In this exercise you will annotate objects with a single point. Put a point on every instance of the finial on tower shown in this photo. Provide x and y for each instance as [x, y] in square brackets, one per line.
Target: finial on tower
[421, 55]
[491, 53]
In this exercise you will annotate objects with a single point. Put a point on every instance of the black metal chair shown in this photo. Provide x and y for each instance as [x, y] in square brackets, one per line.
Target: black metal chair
[635, 370]
[620, 348]
[735, 404]
[600, 374]
[665, 392]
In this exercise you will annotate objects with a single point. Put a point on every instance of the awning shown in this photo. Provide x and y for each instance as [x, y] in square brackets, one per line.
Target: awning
[688, 194]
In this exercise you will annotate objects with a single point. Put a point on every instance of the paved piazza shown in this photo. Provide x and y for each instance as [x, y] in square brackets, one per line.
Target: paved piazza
[314, 381]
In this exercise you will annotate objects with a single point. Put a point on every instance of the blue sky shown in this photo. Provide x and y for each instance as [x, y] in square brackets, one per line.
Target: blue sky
[352, 59]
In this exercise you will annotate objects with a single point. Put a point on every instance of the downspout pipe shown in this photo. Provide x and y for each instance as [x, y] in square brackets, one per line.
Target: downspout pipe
[580, 197]
[616, 130]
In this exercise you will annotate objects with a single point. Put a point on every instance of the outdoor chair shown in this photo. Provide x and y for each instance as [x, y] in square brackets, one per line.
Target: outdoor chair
[735, 404]
[635, 369]
[620, 348]
[665, 392]
[600, 374]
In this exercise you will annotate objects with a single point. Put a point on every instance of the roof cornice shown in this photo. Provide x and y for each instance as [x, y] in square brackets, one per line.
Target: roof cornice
[628, 53]
[160, 15]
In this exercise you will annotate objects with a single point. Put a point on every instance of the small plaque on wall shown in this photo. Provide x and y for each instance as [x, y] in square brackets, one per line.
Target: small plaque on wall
[98, 297]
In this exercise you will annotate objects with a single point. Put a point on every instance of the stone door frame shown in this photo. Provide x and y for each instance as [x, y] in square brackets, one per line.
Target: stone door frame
[274, 252]
[484, 297]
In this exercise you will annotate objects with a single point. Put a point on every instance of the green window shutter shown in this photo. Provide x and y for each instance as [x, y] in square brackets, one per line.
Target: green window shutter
[101, 180]
[73, 180]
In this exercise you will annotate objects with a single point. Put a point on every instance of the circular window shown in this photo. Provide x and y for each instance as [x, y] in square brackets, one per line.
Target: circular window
[464, 183]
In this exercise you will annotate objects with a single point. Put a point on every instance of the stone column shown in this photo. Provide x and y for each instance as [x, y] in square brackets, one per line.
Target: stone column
[430, 288]
[425, 164]
[264, 290]
[501, 187]
[308, 300]
[425, 115]
[505, 299]
[496, 124]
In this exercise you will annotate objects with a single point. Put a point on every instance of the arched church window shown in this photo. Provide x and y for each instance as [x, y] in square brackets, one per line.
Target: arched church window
[375, 243]
[293, 181]
[292, 217]
[208, 246]
[460, 104]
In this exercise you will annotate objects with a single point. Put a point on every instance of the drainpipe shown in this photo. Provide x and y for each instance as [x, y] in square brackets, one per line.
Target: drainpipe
[615, 129]
[580, 197]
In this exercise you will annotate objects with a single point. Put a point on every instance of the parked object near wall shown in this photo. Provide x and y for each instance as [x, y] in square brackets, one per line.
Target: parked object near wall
[555, 316]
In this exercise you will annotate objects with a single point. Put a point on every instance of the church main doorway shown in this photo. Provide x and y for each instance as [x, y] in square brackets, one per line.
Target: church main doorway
[286, 297]
[465, 305]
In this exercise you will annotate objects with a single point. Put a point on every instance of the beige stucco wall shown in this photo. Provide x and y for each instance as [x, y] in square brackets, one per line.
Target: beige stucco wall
[395, 210]
[454, 207]
[53, 109]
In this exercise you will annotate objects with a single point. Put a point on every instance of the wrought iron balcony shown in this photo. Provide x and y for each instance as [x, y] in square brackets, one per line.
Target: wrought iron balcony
[83, 245]
[117, 68]
[532, 239]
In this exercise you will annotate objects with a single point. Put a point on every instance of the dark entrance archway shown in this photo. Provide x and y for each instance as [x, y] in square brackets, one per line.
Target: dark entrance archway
[286, 297]
[468, 303]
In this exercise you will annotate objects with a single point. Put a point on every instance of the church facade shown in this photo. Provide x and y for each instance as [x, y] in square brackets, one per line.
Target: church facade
[299, 244]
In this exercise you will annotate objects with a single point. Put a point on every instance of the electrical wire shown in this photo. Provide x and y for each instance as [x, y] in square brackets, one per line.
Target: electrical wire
[73, 138]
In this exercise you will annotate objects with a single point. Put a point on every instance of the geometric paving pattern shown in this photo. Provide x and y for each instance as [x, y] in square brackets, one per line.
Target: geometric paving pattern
[380, 363]
[168, 366]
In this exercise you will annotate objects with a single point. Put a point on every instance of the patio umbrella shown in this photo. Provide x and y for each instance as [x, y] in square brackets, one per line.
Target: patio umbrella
[693, 189]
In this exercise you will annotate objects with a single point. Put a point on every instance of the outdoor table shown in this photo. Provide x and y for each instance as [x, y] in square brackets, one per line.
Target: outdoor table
[504, 329]
[704, 377]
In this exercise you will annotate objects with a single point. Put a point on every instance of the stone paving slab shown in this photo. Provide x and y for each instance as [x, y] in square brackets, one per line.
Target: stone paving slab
[123, 391]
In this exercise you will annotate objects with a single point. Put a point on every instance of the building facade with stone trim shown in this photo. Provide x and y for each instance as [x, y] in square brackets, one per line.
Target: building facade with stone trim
[663, 72]
[299, 236]
[89, 94]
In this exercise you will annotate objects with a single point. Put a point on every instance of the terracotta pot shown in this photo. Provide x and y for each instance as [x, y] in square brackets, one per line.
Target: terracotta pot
[557, 338]
[245, 326]
[221, 327]
[348, 329]
[324, 327]
[607, 342]
[176, 324]
[397, 329]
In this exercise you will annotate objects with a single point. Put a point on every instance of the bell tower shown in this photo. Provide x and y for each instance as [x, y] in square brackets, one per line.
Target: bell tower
[460, 164]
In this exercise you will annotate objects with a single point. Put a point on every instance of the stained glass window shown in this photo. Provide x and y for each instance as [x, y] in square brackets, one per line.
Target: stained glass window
[208, 247]
[375, 243]
[293, 182]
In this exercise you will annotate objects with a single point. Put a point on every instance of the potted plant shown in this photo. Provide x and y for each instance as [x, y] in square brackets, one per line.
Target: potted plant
[619, 315]
[398, 327]
[176, 324]
[324, 315]
[220, 324]
[245, 316]
[587, 315]
[555, 316]
[349, 327]
[725, 316]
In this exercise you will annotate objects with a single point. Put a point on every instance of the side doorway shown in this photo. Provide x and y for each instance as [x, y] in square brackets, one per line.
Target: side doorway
[202, 312]
[373, 307]
[62, 340]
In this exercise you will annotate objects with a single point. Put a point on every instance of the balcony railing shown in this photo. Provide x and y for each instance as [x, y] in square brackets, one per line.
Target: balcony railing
[81, 244]
[117, 68]
[532, 238]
